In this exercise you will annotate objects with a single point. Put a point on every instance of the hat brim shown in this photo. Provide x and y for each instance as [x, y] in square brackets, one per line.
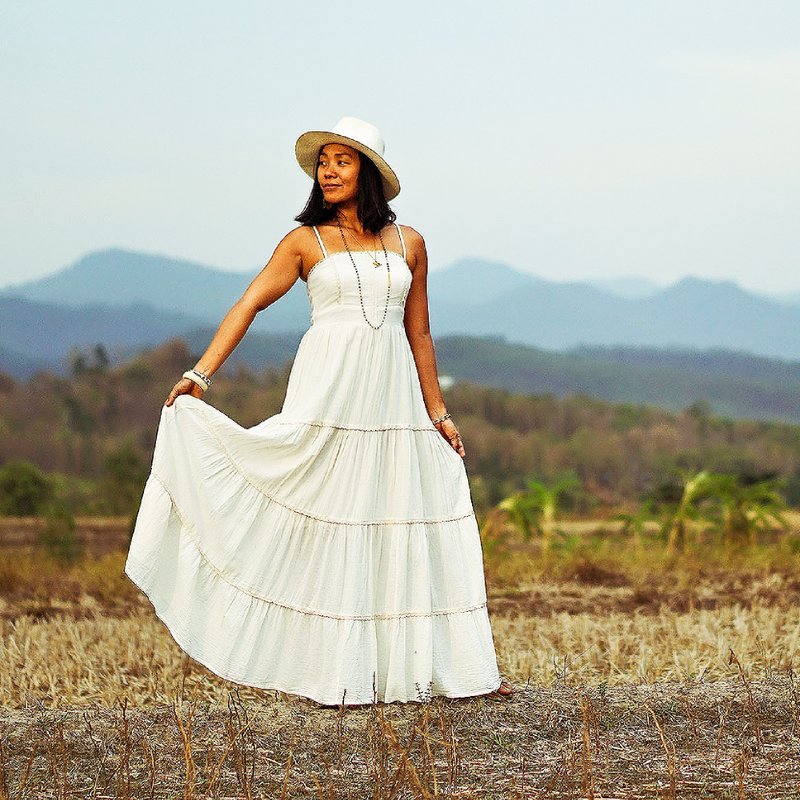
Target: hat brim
[307, 149]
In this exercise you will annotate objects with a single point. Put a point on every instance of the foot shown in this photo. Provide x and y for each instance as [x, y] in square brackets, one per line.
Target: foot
[505, 689]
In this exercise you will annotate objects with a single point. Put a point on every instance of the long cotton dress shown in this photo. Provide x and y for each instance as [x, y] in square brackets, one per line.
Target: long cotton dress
[330, 551]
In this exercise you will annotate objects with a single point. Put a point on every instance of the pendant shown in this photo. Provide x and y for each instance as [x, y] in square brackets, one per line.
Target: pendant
[376, 263]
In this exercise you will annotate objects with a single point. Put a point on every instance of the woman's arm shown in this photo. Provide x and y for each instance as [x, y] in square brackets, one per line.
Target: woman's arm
[274, 280]
[417, 325]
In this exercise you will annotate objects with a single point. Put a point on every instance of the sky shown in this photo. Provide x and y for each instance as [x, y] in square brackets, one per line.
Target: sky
[573, 140]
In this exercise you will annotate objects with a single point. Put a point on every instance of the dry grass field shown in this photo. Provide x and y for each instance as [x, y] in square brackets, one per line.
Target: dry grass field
[638, 675]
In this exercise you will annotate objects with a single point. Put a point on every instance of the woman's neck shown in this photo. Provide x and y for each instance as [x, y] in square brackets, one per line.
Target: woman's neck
[347, 214]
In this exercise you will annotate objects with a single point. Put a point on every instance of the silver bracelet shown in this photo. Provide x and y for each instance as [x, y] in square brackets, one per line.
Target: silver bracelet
[441, 419]
[202, 376]
[203, 381]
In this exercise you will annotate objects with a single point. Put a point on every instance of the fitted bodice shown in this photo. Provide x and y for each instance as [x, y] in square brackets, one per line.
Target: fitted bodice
[333, 288]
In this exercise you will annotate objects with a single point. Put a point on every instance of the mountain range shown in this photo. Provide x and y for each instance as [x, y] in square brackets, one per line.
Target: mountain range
[123, 279]
[471, 297]
[630, 331]
[484, 298]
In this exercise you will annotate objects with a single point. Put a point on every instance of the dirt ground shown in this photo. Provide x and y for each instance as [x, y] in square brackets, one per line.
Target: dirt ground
[726, 739]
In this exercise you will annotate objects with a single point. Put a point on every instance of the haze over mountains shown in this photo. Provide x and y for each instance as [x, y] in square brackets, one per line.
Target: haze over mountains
[128, 300]
[474, 297]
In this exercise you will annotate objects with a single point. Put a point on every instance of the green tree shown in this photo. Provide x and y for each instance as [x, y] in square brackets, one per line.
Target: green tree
[534, 510]
[679, 515]
[744, 508]
[77, 362]
[24, 489]
[58, 536]
[101, 359]
[123, 480]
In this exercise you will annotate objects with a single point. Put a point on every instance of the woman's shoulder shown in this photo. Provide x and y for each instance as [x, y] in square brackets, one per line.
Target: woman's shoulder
[409, 232]
[302, 230]
[412, 236]
[298, 236]
[298, 242]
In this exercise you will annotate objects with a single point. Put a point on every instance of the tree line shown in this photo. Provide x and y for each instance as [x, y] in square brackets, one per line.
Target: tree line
[91, 434]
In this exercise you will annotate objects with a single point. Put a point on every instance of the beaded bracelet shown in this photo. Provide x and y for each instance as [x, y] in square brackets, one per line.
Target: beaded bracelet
[441, 419]
[203, 381]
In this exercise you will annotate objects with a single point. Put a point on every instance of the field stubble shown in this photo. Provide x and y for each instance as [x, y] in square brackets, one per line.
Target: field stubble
[636, 676]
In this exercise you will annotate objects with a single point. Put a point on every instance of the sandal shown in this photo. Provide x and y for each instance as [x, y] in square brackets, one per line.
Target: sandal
[505, 689]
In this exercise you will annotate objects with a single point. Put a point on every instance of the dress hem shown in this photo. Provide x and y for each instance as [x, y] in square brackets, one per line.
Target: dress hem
[184, 640]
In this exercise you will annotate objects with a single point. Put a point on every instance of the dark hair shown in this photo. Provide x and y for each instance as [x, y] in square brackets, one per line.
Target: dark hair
[374, 211]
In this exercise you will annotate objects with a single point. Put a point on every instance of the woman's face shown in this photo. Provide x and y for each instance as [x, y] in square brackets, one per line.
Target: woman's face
[337, 172]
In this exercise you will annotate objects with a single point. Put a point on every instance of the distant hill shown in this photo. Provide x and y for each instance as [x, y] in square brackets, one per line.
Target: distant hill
[256, 350]
[731, 384]
[690, 314]
[19, 366]
[35, 335]
[629, 287]
[118, 277]
[471, 297]
[492, 323]
[793, 298]
[40, 336]
[472, 280]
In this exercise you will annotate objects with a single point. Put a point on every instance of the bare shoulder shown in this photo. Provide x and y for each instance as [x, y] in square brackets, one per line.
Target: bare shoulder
[300, 245]
[412, 236]
[297, 238]
[415, 246]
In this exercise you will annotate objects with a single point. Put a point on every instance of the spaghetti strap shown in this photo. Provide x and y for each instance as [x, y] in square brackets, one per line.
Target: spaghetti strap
[402, 240]
[319, 239]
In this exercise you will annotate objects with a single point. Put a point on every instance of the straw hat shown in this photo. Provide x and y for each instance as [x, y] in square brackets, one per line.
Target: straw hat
[357, 134]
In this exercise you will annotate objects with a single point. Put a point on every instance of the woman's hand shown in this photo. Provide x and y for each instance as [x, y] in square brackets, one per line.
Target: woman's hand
[183, 386]
[448, 429]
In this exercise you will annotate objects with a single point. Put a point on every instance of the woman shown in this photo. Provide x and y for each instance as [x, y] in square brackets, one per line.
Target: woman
[331, 551]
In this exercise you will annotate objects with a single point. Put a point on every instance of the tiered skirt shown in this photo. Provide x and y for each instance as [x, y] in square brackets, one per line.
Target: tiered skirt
[337, 559]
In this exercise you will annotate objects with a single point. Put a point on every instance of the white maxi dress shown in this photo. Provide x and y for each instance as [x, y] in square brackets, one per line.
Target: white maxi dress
[330, 551]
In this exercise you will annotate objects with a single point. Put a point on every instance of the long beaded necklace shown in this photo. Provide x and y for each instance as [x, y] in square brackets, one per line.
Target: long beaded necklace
[358, 277]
